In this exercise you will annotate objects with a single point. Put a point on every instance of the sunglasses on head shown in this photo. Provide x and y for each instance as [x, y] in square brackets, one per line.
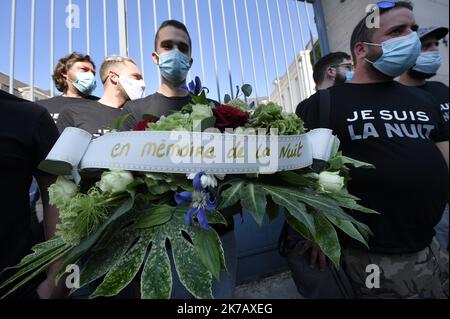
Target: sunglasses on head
[386, 4]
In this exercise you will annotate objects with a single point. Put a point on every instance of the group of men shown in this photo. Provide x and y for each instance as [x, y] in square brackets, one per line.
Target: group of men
[399, 126]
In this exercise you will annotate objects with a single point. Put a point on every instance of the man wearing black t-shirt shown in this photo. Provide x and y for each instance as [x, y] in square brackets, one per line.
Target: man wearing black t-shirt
[402, 132]
[173, 55]
[74, 77]
[122, 81]
[426, 67]
[27, 134]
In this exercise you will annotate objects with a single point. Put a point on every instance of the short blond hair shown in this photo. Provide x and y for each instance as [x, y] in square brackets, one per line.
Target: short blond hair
[110, 62]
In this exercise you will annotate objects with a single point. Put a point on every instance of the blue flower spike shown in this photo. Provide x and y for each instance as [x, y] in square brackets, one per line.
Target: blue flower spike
[200, 203]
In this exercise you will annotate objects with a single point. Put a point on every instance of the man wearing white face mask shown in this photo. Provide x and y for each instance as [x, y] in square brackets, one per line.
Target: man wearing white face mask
[401, 131]
[122, 82]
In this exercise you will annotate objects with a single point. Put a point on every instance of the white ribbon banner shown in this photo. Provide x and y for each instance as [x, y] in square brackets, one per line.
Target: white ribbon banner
[186, 152]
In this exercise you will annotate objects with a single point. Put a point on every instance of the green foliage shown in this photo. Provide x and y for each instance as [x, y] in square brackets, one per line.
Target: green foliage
[271, 116]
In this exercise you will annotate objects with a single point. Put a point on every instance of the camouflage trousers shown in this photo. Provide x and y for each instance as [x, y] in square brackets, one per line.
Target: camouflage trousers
[422, 275]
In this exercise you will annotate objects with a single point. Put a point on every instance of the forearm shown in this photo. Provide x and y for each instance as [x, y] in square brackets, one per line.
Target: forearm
[444, 148]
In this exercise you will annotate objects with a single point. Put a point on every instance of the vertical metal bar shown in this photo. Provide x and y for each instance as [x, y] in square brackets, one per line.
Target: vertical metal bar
[263, 50]
[155, 25]
[304, 58]
[122, 20]
[141, 49]
[238, 41]
[301, 84]
[169, 9]
[52, 45]
[183, 9]
[70, 27]
[213, 36]
[310, 31]
[251, 52]
[12, 47]
[285, 55]
[105, 28]
[32, 47]
[227, 48]
[200, 41]
[274, 52]
[88, 28]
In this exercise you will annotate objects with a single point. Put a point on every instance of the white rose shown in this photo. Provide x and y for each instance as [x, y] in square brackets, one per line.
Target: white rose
[331, 182]
[62, 191]
[115, 181]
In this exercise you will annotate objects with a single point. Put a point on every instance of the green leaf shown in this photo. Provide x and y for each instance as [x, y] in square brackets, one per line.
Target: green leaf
[296, 179]
[155, 216]
[191, 271]
[227, 99]
[120, 120]
[124, 270]
[101, 261]
[253, 199]
[349, 201]
[284, 198]
[201, 99]
[231, 195]
[247, 90]
[335, 147]
[87, 243]
[207, 245]
[39, 251]
[156, 279]
[272, 210]
[325, 205]
[298, 226]
[37, 267]
[339, 161]
[326, 237]
[216, 217]
[348, 228]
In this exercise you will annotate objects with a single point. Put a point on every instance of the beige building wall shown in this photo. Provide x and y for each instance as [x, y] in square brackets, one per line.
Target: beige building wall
[341, 17]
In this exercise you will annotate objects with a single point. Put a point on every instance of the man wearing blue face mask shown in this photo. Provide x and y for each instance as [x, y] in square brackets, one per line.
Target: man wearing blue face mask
[427, 66]
[173, 55]
[402, 132]
[74, 77]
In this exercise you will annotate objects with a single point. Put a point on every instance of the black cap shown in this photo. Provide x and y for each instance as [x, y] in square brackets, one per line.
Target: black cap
[439, 32]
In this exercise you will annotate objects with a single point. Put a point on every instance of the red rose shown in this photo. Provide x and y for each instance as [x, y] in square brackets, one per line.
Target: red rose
[143, 125]
[229, 117]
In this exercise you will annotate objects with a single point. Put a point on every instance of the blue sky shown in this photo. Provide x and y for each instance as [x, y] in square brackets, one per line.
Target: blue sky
[42, 54]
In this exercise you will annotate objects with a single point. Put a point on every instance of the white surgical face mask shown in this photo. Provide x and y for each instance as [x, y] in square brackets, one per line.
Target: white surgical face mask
[135, 89]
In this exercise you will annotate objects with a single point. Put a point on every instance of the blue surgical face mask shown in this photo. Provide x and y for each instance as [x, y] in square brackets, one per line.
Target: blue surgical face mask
[428, 62]
[349, 76]
[85, 82]
[399, 55]
[174, 66]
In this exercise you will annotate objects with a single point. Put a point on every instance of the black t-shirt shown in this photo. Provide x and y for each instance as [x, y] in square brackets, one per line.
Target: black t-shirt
[440, 93]
[395, 128]
[159, 105]
[27, 134]
[93, 117]
[56, 104]
[155, 104]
